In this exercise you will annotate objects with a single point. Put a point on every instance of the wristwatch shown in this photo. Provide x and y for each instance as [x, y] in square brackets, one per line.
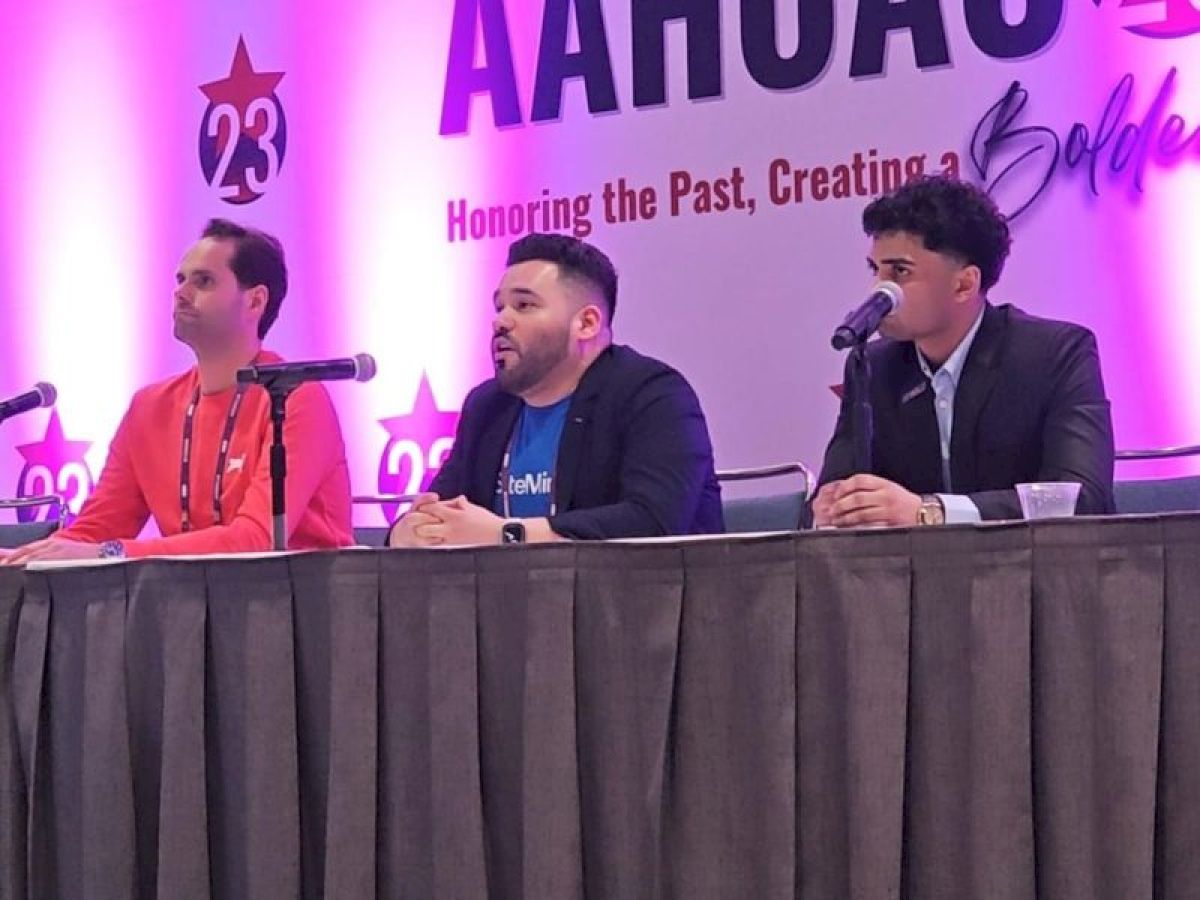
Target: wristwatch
[512, 532]
[932, 511]
[112, 550]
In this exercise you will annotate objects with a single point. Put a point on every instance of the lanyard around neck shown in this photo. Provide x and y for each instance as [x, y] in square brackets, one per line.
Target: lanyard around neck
[185, 517]
[506, 471]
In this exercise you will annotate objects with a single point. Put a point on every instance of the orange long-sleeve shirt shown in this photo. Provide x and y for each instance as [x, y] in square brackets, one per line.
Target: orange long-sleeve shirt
[141, 476]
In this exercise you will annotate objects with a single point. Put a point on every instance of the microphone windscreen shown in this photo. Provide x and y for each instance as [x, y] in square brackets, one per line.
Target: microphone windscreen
[46, 392]
[894, 292]
[364, 367]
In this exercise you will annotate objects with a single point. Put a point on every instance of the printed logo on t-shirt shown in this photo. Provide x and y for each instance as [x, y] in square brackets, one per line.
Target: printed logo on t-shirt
[540, 484]
[530, 462]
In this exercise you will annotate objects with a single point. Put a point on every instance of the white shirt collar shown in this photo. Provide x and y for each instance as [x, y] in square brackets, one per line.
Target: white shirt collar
[953, 366]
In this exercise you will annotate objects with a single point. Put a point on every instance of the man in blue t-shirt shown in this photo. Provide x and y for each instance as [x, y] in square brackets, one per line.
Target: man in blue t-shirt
[525, 488]
[575, 437]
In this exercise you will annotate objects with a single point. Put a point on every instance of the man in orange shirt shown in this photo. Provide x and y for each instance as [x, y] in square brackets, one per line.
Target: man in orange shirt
[193, 451]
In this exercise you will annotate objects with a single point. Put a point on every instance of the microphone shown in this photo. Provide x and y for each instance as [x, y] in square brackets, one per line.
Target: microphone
[291, 374]
[43, 394]
[861, 324]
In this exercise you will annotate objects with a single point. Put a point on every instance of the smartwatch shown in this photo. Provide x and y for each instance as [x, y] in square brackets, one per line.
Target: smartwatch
[512, 532]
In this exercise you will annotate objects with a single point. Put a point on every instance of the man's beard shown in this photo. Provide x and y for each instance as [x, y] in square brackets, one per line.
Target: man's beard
[533, 363]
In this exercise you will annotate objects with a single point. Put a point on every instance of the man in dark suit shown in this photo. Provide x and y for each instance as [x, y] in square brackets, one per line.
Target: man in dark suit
[969, 399]
[575, 437]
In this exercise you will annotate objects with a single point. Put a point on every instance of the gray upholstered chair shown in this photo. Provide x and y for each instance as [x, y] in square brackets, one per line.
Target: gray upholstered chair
[375, 535]
[768, 512]
[17, 533]
[1158, 495]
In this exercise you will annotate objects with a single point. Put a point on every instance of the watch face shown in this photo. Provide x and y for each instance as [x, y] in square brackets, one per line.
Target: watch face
[512, 533]
[112, 550]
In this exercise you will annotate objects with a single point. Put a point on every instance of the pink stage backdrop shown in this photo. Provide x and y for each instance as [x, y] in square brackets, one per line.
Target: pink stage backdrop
[720, 152]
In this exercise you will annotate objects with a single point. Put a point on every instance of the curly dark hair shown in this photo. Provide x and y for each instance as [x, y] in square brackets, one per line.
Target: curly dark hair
[574, 258]
[257, 259]
[950, 216]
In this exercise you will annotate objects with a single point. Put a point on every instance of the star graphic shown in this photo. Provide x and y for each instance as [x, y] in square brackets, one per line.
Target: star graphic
[244, 85]
[429, 429]
[1178, 18]
[426, 423]
[54, 450]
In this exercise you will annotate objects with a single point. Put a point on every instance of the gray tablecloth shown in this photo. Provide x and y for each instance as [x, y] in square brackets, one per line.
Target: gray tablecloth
[1002, 712]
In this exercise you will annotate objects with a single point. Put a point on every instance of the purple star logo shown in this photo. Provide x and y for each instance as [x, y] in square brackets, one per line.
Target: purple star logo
[54, 465]
[419, 443]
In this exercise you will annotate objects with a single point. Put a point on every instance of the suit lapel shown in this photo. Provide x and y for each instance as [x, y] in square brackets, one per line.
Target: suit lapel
[493, 441]
[979, 377]
[570, 452]
[571, 444]
[912, 400]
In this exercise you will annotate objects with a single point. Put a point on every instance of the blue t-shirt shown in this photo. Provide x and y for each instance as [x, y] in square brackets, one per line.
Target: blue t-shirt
[531, 461]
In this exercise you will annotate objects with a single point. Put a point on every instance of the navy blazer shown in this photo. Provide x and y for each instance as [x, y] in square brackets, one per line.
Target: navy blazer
[634, 460]
[1030, 406]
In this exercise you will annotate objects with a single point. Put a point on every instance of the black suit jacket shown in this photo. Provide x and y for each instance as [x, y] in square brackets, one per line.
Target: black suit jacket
[1030, 406]
[634, 460]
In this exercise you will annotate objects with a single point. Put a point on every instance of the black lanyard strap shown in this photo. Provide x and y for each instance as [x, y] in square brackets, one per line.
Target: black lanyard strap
[506, 473]
[185, 467]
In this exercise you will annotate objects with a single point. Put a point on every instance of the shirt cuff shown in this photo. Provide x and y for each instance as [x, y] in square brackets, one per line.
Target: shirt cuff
[960, 509]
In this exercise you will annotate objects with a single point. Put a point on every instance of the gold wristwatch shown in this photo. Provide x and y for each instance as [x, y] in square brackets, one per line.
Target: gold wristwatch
[932, 512]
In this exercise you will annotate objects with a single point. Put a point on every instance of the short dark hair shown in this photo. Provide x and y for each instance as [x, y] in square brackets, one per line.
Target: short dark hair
[950, 216]
[574, 258]
[257, 259]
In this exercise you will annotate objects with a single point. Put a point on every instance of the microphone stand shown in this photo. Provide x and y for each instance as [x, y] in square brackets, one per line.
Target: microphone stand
[864, 420]
[279, 392]
[279, 380]
[853, 333]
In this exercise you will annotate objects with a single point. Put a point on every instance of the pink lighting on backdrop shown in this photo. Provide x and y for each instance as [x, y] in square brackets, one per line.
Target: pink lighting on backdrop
[82, 208]
[416, 303]
[1151, 337]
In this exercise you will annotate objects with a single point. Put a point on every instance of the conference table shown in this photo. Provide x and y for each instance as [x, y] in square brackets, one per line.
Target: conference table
[999, 711]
